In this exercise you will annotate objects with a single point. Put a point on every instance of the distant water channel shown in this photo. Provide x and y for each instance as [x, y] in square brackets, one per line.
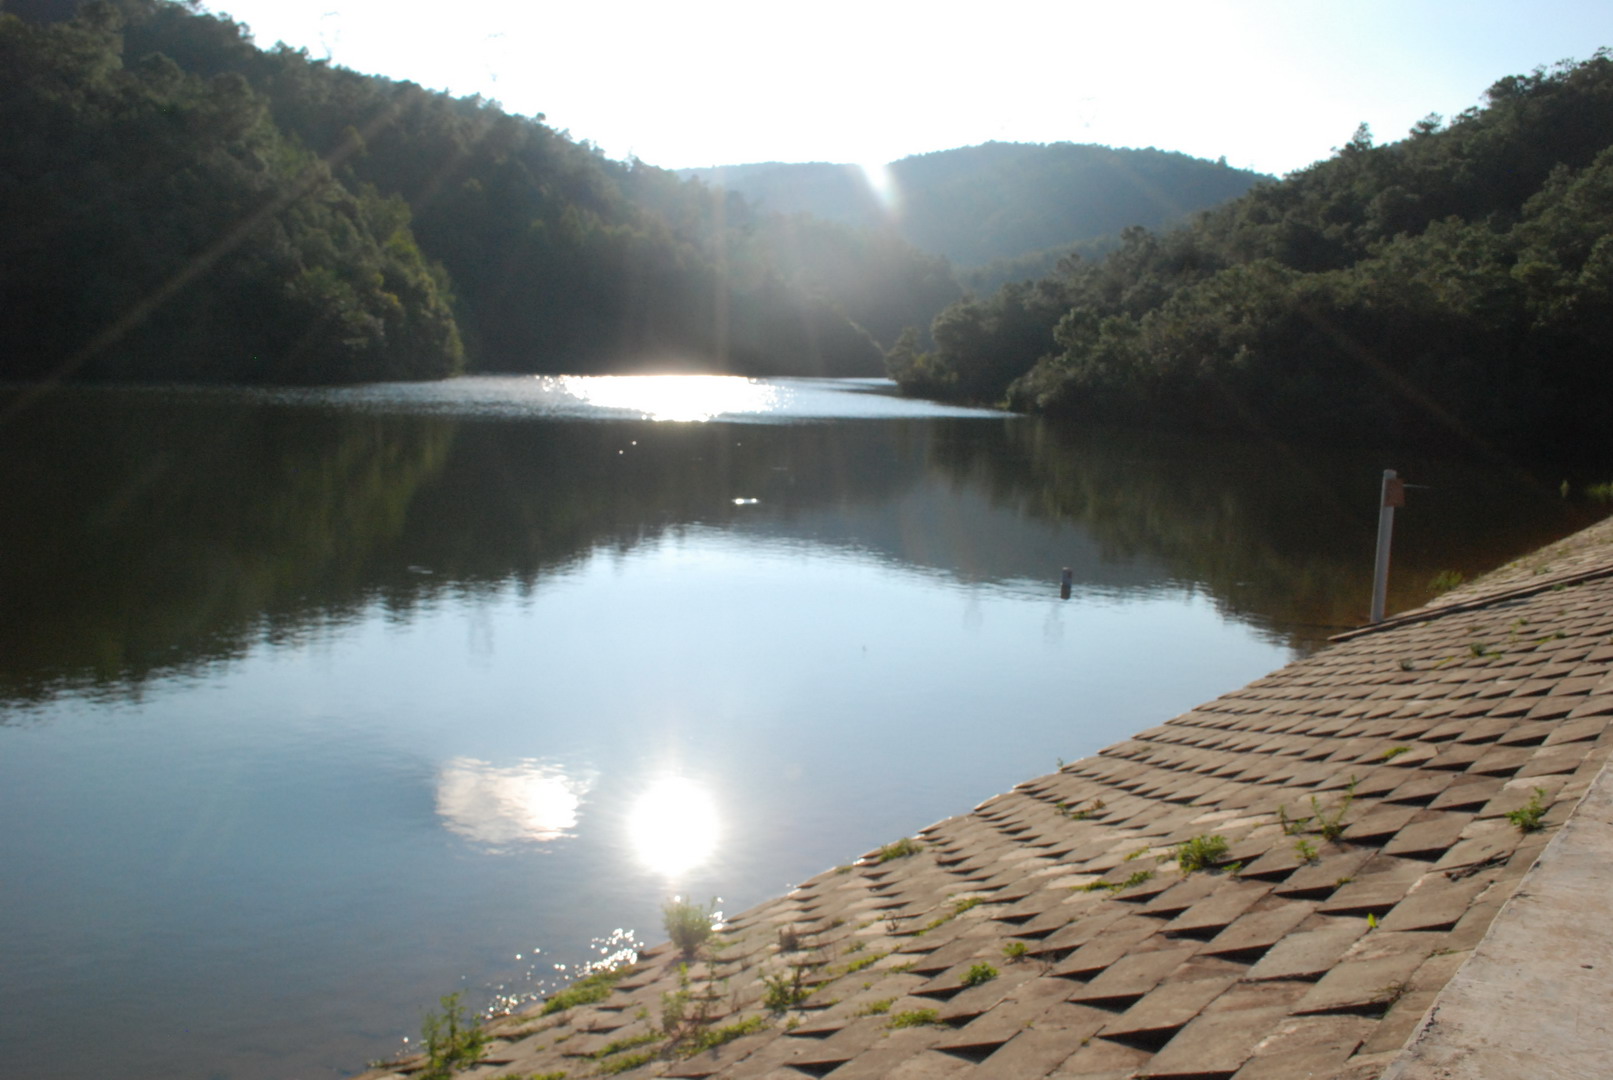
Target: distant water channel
[315, 706]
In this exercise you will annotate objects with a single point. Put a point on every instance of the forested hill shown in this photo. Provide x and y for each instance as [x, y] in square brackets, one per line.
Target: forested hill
[977, 204]
[1455, 284]
[177, 203]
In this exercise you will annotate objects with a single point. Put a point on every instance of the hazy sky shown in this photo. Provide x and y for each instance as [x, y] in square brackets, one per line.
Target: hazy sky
[1271, 84]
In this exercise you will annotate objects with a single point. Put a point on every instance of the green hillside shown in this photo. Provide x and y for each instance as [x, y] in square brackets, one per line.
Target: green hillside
[1454, 285]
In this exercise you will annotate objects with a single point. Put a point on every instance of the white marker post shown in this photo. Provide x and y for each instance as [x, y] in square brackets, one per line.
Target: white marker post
[1394, 494]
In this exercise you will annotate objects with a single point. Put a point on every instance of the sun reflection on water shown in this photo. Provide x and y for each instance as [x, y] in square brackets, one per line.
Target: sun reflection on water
[502, 806]
[672, 397]
[673, 826]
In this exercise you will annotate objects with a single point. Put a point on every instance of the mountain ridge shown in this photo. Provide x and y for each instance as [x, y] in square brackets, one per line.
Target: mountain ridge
[995, 200]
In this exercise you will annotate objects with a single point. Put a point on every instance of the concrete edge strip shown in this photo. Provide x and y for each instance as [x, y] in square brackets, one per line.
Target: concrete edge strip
[1535, 999]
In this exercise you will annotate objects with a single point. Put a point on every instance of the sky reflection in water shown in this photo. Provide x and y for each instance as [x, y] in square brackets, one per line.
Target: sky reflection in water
[501, 808]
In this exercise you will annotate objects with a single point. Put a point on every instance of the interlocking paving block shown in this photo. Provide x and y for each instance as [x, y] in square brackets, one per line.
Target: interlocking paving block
[1098, 1059]
[1308, 954]
[714, 1061]
[1518, 793]
[1178, 894]
[955, 955]
[991, 1029]
[924, 1065]
[963, 999]
[1033, 905]
[1582, 729]
[1456, 757]
[1447, 731]
[1558, 704]
[1233, 794]
[1436, 903]
[1224, 905]
[1429, 835]
[845, 1044]
[1261, 927]
[1168, 1006]
[1553, 760]
[1380, 884]
[1134, 974]
[1084, 924]
[888, 992]
[818, 1024]
[1502, 761]
[1043, 991]
[769, 1060]
[1437, 970]
[1122, 936]
[1419, 789]
[1276, 864]
[1386, 767]
[1371, 973]
[1301, 1047]
[1598, 704]
[1380, 822]
[1484, 730]
[1217, 1043]
[1467, 792]
[1212, 967]
[1473, 926]
[1333, 865]
[1076, 1021]
[1399, 1022]
[1030, 1055]
[931, 954]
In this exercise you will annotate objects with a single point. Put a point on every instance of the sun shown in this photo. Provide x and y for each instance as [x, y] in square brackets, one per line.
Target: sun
[883, 184]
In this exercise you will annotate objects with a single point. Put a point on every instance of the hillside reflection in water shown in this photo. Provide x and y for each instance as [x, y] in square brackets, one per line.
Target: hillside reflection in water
[381, 693]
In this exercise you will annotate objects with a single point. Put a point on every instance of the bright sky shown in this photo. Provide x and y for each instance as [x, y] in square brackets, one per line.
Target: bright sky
[1271, 84]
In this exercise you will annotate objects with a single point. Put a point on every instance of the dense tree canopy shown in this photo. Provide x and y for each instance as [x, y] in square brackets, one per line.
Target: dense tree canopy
[156, 220]
[1454, 284]
[181, 204]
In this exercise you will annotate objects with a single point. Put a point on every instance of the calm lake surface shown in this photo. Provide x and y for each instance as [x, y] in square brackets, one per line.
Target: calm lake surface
[315, 706]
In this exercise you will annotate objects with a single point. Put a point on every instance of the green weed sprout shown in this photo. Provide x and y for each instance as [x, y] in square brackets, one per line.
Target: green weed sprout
[452, 1040]
[688, 925]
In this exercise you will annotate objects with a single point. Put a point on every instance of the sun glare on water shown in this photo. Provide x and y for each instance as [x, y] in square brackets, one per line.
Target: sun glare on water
[672, 397]
[673, 826]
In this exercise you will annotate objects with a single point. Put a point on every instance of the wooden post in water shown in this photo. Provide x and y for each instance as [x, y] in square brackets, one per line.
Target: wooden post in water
[1065, 580]
[1393, 495]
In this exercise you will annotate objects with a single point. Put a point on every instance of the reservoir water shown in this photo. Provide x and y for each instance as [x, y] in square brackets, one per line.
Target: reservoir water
[317, 705]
